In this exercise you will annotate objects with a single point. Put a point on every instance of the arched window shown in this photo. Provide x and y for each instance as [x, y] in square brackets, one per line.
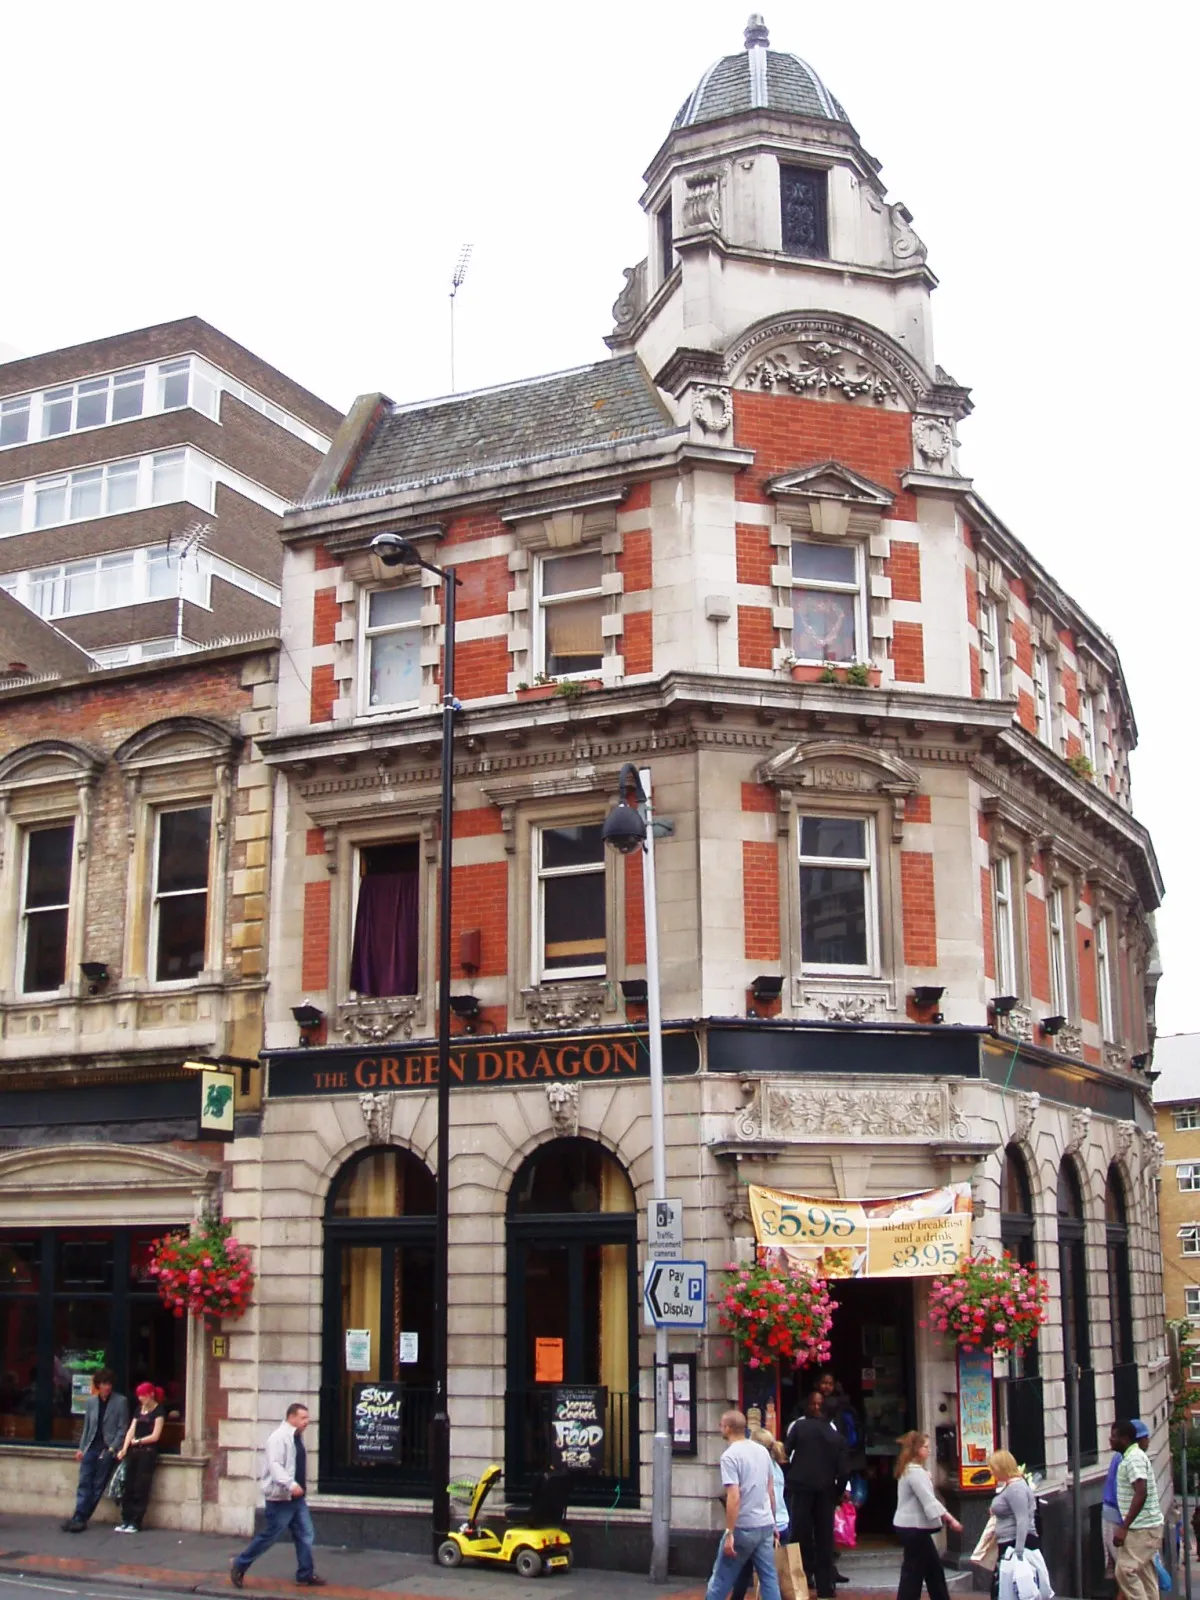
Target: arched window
[1023, 1390]
[1077, 1344]
[378, 1319]
[572, 1306]
[1120, 1297]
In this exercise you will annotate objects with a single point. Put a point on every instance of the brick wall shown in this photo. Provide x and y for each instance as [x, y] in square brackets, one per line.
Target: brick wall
[637, 643]
[903, 567]
[760, 891]
[635, 912]
[1085, 957]
[754, 554]
[908, 652]
[756, 636]
[480, 900]
[1039, 948]
[481, 667]
[989, 927]
[920, 919]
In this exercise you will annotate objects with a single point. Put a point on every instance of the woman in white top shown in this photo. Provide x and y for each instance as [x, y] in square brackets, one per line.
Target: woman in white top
[919, 1515]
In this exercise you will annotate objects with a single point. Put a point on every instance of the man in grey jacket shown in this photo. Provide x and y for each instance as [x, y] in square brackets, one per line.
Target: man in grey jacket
[105, 1419]
[284, 1484]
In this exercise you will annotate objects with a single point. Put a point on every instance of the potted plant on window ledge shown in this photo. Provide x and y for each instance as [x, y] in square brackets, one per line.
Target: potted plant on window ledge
[853, 674]
[544, 688]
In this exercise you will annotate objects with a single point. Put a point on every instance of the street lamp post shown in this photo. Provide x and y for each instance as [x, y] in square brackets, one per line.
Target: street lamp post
[394, 551]
[628, 828]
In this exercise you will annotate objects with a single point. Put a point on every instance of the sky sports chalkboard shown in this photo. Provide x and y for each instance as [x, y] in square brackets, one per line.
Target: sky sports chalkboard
[375, 1422]
[577, 1418]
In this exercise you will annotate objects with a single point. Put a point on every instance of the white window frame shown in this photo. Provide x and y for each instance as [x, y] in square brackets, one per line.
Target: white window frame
[199, 804]
[1087, 727]
[1187, 1177]
[1056, 925]
[19, 974]
[1187, 1120]
[1191, 1300]
[1043, 709]
[990, 676]
[367, 634]
[868, 865]
[1004, 925]
[1104, 978]
[825, 586]
[542, 601]
[1189, 1239]
[540, 875]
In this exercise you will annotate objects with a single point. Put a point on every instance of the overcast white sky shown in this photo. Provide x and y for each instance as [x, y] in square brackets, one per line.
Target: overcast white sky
[303, 176]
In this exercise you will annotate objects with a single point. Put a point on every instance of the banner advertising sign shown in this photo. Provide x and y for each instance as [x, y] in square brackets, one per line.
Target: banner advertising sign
[976, 1418]
[376, 1422]
[905, 1236]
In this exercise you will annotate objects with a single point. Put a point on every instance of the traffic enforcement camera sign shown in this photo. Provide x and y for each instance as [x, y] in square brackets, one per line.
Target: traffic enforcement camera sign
[676, 1294]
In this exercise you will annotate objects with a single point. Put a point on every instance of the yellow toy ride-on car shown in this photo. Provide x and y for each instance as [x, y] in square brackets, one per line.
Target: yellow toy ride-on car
[531, 1541]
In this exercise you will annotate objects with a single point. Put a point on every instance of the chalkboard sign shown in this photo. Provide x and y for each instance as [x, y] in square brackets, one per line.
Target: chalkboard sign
[578, 1418]
[375, 1422]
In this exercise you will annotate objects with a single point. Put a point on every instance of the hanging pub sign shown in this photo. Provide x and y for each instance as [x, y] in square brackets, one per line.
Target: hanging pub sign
[976, 1418]
[216, 1102]
[375, 1422]
[577, 1424]
[905, 1236]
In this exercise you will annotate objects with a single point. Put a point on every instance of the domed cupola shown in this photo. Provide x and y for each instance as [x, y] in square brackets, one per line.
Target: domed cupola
[758, 77]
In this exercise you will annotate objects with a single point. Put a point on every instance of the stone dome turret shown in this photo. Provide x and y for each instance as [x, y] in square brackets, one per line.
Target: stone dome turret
[758, 78]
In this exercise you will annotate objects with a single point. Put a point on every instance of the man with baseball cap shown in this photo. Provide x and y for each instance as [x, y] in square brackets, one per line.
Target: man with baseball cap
[1110, 1511]
[1139, 1533]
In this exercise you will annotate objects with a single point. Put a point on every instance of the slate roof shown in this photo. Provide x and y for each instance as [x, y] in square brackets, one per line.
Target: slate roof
[33, 645]
[563, 414]
[726, 90]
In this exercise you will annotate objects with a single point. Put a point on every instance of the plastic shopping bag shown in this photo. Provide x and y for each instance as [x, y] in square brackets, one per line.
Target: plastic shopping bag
[1045, 1589]
[1018, 1580]
[845, 1525]
[115, 1487]
[1164, 1577]
[986, 1553]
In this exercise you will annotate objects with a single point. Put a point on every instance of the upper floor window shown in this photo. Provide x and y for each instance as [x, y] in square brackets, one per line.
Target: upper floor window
[387, 919]
[45, 896]
[990, 680]
[1187, 1119]
[838, 916]
[804, 211]
[827, 601]
[1188, 1177]
[666, 240]
[570, 913]
[120, 486]
[1056, 919]
[570, 614]
[92, 403]
[1191, 1300]
[1003, 927]
[1189, 1239]
[129, 577]
[1043, 715]
[180, 914]
[392, 644]
[14, 420]
[1104, 979]
[1087, 726]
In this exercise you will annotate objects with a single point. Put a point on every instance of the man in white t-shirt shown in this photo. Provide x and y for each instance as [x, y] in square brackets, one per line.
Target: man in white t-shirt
[749, 1513]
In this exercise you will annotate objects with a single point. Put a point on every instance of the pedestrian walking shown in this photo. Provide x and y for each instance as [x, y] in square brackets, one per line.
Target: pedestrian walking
[775, 1453]
[139, 1452]
[1110, 1510]
[816, 1478]
[105, 1419]
[1139, 1533]
[919, 1515]
[749, 1514]
[284, 1484]
[1014, 1507]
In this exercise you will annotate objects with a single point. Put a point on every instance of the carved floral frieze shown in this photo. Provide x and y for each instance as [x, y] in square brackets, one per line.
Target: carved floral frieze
[565, 1005]
[377, 1021]
[876, 1112]
[818, 367]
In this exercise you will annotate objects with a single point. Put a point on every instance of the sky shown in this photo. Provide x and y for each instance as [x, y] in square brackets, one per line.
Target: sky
[304, 175]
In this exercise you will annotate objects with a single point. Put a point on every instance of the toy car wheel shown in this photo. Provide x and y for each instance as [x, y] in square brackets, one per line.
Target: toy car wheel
[449, 1554]
[528, 1563]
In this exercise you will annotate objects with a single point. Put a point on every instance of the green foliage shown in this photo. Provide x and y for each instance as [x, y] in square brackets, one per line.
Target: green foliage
[859, 674]
[828, 675]
[1081, 766]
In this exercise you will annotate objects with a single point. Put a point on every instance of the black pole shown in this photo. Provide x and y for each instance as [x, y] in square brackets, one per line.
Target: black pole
[439, 1433]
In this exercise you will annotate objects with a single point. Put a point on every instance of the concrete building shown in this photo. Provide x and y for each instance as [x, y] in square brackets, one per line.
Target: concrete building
[904, 912]
[141, 481]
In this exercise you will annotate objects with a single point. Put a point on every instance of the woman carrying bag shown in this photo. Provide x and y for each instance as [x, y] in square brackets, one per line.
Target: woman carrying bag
[919, 1515]
[140, 1455]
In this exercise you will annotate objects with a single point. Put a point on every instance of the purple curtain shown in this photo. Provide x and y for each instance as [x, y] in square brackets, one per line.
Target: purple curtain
[384, 961]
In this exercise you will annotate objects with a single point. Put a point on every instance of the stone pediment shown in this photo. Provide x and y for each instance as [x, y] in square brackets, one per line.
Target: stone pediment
[79, 1173]
[840, 766]
[178, 739]
[49, 761]
[829, 480]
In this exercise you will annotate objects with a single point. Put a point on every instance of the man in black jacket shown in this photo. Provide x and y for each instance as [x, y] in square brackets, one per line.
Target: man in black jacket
[816, 1477]
[105, 1421]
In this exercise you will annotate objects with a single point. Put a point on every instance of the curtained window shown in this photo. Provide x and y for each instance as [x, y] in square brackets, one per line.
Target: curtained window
[572, 611]
[386, 921]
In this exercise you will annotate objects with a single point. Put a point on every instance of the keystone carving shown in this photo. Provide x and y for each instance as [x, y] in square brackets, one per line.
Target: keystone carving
[563, 1101]
[377, 1116]
[565, 1005]
[1070, 1039]
[1153, 1151]
[817, 368]
[1018, 1024]
[1126, 1140]
[702, 203]
[1114, 1056]
[1027, 1110]
[360, 1022]
[1081, 1122]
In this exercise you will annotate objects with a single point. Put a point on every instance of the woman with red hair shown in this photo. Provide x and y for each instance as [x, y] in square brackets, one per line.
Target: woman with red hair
[140, 1455]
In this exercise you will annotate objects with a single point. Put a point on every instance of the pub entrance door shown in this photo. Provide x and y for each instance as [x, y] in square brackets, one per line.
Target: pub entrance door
[378, 1317]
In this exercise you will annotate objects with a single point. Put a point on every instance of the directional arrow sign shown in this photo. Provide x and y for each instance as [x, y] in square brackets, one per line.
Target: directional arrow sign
[676, 1294]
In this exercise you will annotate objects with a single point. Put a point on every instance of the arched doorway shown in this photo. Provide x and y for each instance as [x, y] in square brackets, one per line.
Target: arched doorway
[1023, 1388]
[378, 1318]
[572, 1308]
[1077, 1341]
[1120, 1297]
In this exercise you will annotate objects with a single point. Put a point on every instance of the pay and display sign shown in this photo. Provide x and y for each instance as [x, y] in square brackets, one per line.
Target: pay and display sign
[676, 1294]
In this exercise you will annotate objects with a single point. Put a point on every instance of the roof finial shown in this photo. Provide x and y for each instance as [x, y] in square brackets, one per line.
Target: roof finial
[756, 32]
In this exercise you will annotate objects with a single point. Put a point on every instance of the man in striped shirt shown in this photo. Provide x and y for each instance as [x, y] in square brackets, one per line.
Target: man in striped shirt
[1139, 1533]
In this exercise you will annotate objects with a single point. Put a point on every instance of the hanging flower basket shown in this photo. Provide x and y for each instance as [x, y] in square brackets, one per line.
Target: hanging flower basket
[205, 1272]
[776, 1313]
[989, 1304]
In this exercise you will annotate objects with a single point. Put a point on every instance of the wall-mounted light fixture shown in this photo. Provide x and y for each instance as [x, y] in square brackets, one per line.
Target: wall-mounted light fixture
[1140, 1061]
[95, 975]
[636, 990]
[466, 1008]
[926, 997]
[766, 988]
[308, 1019]
[1002, 1004]
[1052, 1025]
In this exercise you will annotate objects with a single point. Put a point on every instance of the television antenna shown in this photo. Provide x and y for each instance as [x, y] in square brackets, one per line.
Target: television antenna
[187, 543]
[460, 272]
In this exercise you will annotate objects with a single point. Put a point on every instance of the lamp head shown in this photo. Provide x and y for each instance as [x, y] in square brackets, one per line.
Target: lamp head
[394, 551]
[624, 828]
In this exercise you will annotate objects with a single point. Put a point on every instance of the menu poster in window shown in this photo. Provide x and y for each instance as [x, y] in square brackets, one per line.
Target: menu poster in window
[547, 1361]
[358, 1349]
[375, 1422]
[577, 1420]
[976, 1418]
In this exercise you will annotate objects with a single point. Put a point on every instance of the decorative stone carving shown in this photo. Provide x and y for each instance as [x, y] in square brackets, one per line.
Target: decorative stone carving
[702, 202]
[847, 1007]
[907, 245]
[712, 408]
[960, 1128]
[817, 367]
[1027, 1110]
[1070, 1040]
[563, 1101]
[1153, 1151]
[1081, 1122]
[377, 1116]
[565, 1005]
[375, 1022]
[1114, 1056]
[1018, 1024]
[1127, 1133]
[933, 439]
[631, 301]
[784, 1111]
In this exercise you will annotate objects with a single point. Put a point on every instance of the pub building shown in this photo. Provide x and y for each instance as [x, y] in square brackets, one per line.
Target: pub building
[904, 907]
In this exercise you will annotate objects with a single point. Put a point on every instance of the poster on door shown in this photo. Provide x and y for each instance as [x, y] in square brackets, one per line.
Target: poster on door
[375, 1422]
[904, 1236]
[976, 1418]
[578, 1417]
